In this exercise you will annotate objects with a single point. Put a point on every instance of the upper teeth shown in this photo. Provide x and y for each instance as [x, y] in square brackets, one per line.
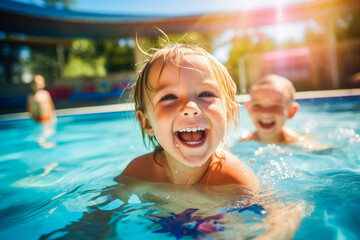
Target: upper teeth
[192, 129]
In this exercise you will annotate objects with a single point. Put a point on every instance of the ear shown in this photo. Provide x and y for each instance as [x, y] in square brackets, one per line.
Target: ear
[247, 106]
[293, 109]
[145, 123]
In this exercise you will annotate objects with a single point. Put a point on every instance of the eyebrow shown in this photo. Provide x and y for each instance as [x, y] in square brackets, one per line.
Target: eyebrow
[205, 82]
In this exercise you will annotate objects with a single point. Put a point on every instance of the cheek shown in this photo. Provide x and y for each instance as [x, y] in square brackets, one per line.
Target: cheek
[282, 117]
[162, 120]
[219, 112]
[254, 114]
[164, 113]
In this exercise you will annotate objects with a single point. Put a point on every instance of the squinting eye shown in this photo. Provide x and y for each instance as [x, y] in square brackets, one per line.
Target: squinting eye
[168, 97]
[276, 109]
[256, 108]
[206, 94]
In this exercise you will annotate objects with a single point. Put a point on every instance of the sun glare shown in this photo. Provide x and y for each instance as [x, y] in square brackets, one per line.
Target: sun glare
[279, 37]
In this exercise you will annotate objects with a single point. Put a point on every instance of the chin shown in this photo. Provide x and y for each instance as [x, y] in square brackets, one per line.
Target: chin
[267, 132]
[195, 161]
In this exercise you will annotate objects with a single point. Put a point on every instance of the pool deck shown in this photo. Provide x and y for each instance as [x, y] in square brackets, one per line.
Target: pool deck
[129, 106]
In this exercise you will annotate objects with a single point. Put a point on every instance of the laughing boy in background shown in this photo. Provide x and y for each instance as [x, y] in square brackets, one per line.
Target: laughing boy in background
[271, 105]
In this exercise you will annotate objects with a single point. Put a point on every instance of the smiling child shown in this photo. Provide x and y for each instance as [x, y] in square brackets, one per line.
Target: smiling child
[271, 105]
[184, 102]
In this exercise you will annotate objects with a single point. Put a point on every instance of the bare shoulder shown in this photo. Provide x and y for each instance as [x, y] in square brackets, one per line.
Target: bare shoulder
[144, 167]
[136, 165]
[43, 95]
[229, 169]
[290, 136]
[237, 167]
[48, 93]
[242, 172]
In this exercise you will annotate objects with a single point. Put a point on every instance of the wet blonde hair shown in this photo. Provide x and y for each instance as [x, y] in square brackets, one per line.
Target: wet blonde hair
[174, 53]
[278, 82]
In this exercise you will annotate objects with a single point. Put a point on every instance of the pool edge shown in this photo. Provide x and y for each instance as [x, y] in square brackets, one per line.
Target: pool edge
[130, 106]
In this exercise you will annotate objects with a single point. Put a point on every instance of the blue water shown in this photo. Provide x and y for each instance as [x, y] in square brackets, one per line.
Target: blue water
[57, 182]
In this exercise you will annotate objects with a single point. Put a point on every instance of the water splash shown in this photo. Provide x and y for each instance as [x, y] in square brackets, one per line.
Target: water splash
[344, 136]
[276, 171]
[273, 150]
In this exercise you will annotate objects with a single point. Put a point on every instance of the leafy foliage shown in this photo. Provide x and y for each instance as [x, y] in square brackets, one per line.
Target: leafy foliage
[85, 60]
[244, 45]
[118, 58]
[90, 58]
[43, 61]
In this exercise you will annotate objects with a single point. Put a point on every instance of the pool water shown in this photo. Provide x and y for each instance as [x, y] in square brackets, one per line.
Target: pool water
[58, 181]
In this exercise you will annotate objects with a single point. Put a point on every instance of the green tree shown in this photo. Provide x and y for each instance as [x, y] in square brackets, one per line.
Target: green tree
[43, 61]
[118, 58]
[244, 45]
[95, 58]
[85, 60]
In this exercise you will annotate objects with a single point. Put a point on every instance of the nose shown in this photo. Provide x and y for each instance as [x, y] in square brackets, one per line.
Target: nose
[190, 109]
[267, 110]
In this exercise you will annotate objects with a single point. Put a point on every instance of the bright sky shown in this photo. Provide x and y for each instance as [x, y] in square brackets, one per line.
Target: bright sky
[168, 7]
[175, 7]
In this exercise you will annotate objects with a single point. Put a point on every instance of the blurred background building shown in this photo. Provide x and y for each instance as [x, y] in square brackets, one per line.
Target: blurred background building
[91, 58]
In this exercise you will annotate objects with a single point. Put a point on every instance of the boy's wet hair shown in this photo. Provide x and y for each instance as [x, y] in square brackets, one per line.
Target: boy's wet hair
[174, 54]
[276, 80]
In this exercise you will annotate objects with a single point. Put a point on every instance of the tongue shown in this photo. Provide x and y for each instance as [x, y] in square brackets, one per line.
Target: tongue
[267, 125]
[191, 136]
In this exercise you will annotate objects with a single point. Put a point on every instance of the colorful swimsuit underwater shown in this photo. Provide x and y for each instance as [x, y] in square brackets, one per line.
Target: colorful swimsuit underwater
[184, 224]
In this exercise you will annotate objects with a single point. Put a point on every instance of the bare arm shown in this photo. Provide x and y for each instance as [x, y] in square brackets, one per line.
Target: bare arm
[51, 101]
[284, 222]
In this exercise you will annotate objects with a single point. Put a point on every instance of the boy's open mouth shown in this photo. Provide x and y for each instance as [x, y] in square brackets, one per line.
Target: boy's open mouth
[267, 125]
[192, 136]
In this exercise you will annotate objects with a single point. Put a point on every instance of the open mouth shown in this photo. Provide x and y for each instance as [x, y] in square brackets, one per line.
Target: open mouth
[267, 125]
[192, 136]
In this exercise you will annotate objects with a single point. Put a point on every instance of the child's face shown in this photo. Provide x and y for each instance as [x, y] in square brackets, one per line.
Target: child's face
[269, 108]
[185, 111]
[38, 83]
